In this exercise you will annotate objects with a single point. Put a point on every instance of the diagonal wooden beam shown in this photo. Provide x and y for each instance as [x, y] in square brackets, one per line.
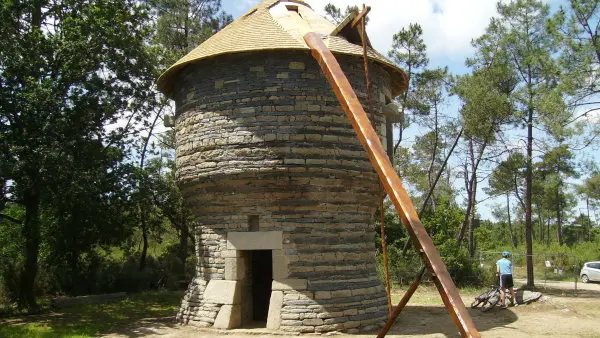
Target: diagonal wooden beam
[411, 290]
[392, 184]
[361, 15]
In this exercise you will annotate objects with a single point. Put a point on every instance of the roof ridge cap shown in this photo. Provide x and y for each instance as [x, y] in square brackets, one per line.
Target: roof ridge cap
[299, 40]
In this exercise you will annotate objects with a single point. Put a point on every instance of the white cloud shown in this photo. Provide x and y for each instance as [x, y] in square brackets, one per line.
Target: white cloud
[448, 25]
[245, 5]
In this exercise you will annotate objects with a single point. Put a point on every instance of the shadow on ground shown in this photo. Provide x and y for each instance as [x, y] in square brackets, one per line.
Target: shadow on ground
[134, 317]
[414, 320]
[422, 320]
[551, 290]
[565, 288]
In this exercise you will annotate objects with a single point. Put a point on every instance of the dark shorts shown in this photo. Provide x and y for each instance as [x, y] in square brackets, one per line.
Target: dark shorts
[506, 282]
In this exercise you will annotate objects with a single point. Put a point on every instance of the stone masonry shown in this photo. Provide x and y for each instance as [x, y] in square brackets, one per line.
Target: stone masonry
[267, 160]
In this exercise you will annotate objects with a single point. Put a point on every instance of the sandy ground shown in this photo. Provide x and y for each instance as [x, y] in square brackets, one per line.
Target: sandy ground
[570, 285]
[559, 313]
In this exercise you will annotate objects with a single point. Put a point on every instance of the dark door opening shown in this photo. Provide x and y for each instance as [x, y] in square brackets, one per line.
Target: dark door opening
[262, 277]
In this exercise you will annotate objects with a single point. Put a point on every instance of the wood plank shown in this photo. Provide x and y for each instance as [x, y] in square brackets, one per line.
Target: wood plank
[392, 184]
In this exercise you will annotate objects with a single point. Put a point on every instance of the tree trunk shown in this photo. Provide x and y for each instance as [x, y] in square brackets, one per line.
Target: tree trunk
[510, 228]
[471, 186]
[144, 227]
[400, 133]
[433, 155]
[31, 225]
[437, 178]
[31, 234]
[465, 224]
[528, 198]
[389, 139]
[548, 232]
[541, 223]
[472, 217]
[144, 192]
[440, 172]
[589, 229]
[559, 238]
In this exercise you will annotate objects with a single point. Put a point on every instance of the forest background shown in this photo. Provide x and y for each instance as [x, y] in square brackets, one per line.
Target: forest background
[499, 156]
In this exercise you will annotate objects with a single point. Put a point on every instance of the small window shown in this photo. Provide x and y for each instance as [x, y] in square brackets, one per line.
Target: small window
[292, 8]
[253, 224]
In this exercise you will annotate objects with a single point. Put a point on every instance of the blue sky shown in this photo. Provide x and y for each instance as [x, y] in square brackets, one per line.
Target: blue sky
[448, 26]
[448, 43]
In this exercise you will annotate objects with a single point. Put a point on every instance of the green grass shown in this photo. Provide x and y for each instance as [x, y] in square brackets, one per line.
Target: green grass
[427, 294]
[92, 320]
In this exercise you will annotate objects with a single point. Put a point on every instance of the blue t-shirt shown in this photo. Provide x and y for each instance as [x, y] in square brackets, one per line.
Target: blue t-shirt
[505, 266]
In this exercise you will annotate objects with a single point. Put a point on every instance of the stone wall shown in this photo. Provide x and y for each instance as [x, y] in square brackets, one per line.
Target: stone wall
[261, 138]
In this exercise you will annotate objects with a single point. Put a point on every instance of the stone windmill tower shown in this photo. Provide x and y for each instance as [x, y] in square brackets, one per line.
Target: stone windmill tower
[282, 190]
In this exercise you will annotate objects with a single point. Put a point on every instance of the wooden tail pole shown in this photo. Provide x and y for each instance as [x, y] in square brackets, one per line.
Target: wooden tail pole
[411, 290]
[369, 84]
[392, 184]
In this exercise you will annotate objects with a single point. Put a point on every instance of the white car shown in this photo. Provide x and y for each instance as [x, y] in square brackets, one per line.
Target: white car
[590, 272]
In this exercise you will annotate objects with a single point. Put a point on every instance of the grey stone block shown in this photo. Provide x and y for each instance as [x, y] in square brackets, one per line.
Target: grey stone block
[262, 240]
[235, 268]
[289, 284]
[274, 315]
[229, 317]
[223, 292]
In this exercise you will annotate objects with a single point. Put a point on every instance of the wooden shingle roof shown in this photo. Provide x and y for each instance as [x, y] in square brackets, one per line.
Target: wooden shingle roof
[270, 26]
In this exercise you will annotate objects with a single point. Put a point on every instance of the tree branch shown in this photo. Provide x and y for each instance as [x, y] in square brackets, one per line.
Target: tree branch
[10, 218]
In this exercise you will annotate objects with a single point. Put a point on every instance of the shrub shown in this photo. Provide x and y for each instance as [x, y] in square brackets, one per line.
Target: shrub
[463, 270]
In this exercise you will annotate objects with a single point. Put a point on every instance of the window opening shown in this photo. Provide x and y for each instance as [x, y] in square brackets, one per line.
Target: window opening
[253, 223]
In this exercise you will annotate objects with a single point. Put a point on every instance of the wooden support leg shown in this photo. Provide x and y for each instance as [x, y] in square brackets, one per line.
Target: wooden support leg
[411, 290]
[392, 184]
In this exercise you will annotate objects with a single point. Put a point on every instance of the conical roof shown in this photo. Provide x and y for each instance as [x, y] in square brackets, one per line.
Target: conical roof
[277, 25]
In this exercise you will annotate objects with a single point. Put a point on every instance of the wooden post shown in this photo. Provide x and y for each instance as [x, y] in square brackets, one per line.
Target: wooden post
[392, 184]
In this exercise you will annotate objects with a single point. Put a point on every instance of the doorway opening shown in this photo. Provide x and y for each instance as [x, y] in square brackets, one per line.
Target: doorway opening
[261, 277]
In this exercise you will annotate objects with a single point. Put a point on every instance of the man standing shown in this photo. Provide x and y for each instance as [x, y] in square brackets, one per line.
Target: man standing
[504, 269]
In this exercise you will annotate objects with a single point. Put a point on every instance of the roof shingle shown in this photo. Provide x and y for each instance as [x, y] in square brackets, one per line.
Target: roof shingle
[266, 27]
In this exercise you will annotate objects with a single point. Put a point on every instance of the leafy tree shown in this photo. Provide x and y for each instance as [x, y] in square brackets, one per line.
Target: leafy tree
[335, 14]
[591, 190]
[519, 40]
[580, 230]
[181, 25]
[577, 27]
[507, 179]
[432, 150]
[591, 186]
[485, 109]
[79, 216]
[68, 70]
[433, 88]
[409, 52]
[167, 197]
[427, 158]
[557, 166]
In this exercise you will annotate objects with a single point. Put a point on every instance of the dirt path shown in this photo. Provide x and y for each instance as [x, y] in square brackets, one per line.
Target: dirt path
[557, 314]
[570, 285]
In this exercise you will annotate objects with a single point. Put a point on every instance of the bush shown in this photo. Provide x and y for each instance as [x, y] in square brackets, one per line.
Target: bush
[9, 282]
[463, 270]
[402, 270]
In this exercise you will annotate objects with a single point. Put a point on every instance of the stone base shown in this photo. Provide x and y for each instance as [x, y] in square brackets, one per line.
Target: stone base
[293, 306]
